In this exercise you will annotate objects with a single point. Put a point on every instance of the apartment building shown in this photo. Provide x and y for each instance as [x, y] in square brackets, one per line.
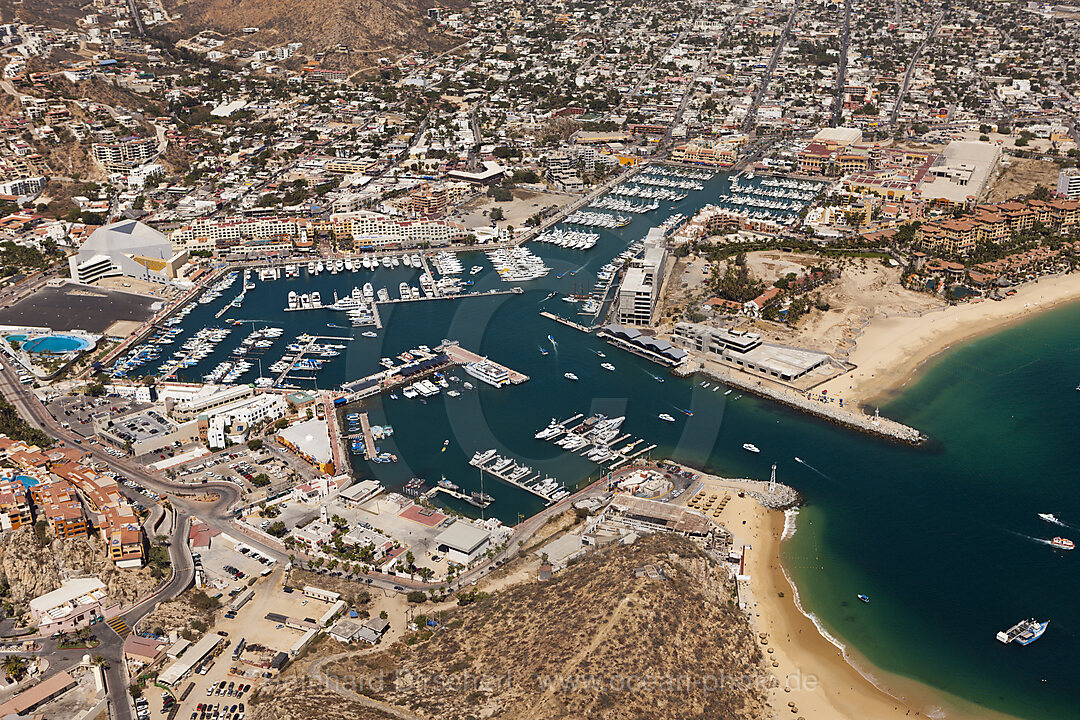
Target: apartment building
[721, 152]
[1068, 183]
[994, 223]
[14, 506]
[58, 502]
[369, 230]
[125, 154]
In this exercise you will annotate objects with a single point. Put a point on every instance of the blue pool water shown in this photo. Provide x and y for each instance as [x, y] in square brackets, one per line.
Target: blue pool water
[27, 481]
[55, 344]
[15, 338]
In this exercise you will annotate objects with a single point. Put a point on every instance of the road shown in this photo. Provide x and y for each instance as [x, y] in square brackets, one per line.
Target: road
[750, 121]
[841, 71]
[895, 114]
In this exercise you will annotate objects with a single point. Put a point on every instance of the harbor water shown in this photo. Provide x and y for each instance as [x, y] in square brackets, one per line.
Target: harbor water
[944, 538]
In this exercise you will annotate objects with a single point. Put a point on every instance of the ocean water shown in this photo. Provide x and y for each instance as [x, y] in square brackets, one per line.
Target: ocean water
[944, 538]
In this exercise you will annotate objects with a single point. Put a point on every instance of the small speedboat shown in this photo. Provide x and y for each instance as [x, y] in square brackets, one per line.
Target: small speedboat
[541, 349]
[665, 417]
[570, 376]
[750, 447]
[1049, 517]
[444, 444]
[599, 354]
[370, 334]
[608, 366]
[864, 598]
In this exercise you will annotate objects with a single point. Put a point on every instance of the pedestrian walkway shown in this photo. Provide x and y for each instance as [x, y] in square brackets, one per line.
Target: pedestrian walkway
[119, 626]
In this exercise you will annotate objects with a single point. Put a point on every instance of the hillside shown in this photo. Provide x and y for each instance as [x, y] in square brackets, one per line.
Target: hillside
[364, 26]
[595, 642]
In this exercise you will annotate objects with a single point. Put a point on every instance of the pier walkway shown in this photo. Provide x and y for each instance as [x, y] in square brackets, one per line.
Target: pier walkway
[568, 323]
[369, 439]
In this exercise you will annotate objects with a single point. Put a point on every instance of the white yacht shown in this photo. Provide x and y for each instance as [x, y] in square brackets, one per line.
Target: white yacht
[383, 295]
[294, 300]
[386, 262]
[316, 301]
[416, 261]
[349, 265]
[394, 262]
[311, 268]
[368, 291]
[570, 376]
[750, 447]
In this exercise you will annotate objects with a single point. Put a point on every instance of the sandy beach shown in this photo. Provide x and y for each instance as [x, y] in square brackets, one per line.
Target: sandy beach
[814, 678]
[892, 349]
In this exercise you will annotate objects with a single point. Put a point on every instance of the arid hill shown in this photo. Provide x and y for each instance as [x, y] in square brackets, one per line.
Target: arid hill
[364, 26]
[598, 642]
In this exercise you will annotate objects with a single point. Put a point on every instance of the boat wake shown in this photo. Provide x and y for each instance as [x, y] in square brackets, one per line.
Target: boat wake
[813, 469]
[1032, 538]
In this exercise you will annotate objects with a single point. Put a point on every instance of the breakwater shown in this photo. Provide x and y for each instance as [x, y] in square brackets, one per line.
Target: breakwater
[854, 419]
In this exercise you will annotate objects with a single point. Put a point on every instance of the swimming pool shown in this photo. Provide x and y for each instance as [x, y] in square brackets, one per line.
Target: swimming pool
[27, 481]
[55, 344]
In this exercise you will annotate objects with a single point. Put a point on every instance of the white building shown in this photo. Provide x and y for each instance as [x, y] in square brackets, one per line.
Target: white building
[127, 248]
[231, 422]
[1069, 183]
[463, 542]
[74, 604]
[640, 287]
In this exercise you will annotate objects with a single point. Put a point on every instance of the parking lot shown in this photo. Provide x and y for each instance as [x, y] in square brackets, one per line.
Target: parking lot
[229, 566]
[262, 640]
[243, 466]
[78, 410]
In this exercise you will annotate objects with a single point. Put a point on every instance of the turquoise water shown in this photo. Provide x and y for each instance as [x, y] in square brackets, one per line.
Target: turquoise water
[55, 344]
[938, 536]
[27, 481]
[945, 539]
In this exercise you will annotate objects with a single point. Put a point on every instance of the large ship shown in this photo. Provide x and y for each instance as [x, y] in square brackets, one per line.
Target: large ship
[489, 372]
[1024, 632]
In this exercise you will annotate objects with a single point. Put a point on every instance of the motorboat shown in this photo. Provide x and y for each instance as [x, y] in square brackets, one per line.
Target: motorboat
[1063, 543]
[666, 418]
[608, 366]
[1049, 517]
[570, 376]
[864, 598]
[750, 447]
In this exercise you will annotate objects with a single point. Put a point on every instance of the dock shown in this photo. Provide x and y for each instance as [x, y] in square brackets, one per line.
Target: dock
[564, 321]
[458, 495]
[452, 296]
[369, 439]
[315, 340]
[521, 476]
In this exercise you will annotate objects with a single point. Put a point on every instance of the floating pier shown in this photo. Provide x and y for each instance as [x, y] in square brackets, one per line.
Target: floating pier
[596, 435]
[516, 474]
